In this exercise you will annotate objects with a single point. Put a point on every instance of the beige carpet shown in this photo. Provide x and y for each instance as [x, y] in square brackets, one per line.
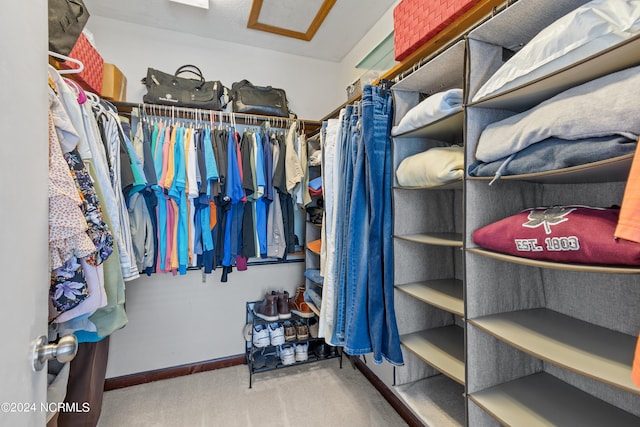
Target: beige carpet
[316, 394]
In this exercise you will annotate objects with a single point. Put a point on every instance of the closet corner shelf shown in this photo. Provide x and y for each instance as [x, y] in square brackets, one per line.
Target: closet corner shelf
[590, 350]
[441, 348]
[436, 239]
[454, 185]
[445, 294]
[448, 128]
[609, 269]
[608, 170]
[623, 55]
[541, 400]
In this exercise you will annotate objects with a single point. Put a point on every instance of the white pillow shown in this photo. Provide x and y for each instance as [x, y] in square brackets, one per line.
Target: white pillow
[436, 106]
[586, 31]
[435, 166]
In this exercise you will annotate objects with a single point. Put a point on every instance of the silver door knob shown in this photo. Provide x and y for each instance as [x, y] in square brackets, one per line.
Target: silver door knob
[64, 351]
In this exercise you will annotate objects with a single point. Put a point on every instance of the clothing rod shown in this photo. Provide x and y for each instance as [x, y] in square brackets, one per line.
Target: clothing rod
[184, 112]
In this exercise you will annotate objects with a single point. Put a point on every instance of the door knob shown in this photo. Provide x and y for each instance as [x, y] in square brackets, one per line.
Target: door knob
[64, 351]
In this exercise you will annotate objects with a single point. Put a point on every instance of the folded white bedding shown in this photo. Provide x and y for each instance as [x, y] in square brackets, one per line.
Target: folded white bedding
[435, 107]
[436, 166]
[581, 33]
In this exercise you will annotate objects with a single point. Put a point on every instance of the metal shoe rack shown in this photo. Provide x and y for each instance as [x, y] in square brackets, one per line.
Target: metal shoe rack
[271, 354]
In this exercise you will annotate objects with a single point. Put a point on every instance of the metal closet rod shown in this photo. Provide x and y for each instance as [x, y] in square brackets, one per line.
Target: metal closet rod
[183, 112]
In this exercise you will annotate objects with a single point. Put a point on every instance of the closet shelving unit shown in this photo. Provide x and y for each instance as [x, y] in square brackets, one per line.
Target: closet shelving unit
[547, 343]
[428, 260]
[313, 232]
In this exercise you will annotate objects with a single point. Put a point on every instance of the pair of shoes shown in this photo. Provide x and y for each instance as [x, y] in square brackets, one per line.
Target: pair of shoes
[289, 331]
[320, 350]
[274, 306]
[276, 333]
[301, 351]
[302, 330]
[297, 305]
[260, 336]
[287, 354]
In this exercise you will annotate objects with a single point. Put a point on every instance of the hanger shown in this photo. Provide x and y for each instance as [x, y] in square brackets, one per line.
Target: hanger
[67, 58]
[75, 87]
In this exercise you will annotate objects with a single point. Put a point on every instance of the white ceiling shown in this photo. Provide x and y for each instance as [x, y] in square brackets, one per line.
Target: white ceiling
[347, 22]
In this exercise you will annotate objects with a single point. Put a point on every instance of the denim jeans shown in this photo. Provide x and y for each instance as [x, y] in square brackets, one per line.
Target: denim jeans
[357, 334]
[377, 116]
[343, 198]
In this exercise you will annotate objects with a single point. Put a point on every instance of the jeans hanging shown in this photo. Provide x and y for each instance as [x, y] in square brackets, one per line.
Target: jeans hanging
[357, 336]
[343, 197]
[377, 114]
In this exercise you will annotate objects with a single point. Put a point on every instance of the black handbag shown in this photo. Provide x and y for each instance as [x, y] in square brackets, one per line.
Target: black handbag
[67, 19]
[251, 99]
[171, 89]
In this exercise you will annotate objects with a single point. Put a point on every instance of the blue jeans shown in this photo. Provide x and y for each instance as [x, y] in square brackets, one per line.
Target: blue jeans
[343, 200]
[377, 115]
[358, 339]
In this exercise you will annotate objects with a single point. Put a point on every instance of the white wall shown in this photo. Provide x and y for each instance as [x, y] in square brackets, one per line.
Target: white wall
[133, 48]
[347, 71]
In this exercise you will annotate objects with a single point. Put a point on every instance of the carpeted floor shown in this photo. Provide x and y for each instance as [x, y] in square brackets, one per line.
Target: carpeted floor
[316, 394]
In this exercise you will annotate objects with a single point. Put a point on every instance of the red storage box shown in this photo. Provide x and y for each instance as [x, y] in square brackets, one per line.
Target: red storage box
[416, 21]
[91, 77]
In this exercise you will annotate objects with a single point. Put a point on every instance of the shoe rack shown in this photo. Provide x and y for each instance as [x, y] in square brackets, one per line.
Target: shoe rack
[271, 357]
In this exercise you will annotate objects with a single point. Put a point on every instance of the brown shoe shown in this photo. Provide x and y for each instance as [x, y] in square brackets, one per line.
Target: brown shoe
[267, 309]
[289, 331]
[302, 331]
[283, 306]
[297, 304]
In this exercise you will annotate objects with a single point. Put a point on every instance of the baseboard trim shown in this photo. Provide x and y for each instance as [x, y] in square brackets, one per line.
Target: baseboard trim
[172, 372]
[395, 402]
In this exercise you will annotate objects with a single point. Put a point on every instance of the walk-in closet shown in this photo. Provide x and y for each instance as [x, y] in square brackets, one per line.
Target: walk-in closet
[350, 213]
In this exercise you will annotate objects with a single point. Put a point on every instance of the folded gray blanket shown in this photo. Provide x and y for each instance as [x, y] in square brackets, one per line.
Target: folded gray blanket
[555, 153]
[602, 107]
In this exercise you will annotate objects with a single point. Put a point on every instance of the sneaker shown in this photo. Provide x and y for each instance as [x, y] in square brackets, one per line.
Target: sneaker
[267, 309]
[314, 325]
[287, 355]
[297, 305]
[247, 332]
[302, 331]
[283, 306]
[260, 336]
[302, 352]
[276, 333]
[289, 331]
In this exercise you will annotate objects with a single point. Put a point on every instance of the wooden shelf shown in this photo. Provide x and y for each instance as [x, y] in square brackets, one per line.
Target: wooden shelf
[590, 350]
[442, 348]
[589, 268]
[436, 239]
[543, 400]
[443, 293]
[445, 129]
[609, 170]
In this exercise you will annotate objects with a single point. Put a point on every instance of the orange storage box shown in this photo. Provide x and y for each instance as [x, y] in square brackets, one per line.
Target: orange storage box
[417, 21]
[91, 77]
